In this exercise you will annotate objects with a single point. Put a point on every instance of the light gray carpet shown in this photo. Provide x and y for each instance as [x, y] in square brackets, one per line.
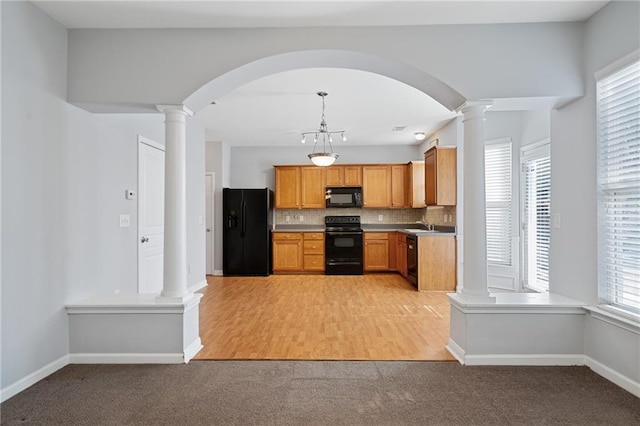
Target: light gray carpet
[321, 393]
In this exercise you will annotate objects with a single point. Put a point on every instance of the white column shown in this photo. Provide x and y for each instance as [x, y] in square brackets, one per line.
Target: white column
[174, 283]
[474, 202]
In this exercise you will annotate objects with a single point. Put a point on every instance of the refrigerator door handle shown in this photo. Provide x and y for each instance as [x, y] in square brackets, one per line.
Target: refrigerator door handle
[244, 218]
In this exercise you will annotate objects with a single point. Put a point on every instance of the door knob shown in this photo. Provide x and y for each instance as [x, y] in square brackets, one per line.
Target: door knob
[144, 239]
[208, 229]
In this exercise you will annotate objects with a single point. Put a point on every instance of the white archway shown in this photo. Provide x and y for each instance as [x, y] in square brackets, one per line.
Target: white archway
[328, 58]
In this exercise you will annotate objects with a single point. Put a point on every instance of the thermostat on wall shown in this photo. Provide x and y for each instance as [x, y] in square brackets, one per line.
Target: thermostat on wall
[130, 194]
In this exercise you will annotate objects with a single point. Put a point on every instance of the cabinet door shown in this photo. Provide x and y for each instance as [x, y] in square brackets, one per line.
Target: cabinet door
[446, 180]
[416, 185]
[440, 176]
[402, 255]
[430, 177]
[376, 251]
[393, 251]
[287, 187]
[376, 186]
[312, 187]
[335, 176]
[287, 253]
[352, 176]
[399, 185]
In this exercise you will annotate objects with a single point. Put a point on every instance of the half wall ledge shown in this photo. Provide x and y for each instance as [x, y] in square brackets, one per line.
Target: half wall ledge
[133, 329]
[517, 329]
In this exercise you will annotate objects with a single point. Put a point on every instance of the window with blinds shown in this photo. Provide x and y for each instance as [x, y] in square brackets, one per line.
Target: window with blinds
[498, 190]
[619, 188]
[536, 216]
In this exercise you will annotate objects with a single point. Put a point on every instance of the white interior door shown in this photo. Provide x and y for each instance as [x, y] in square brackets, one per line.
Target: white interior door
[150, 215]
[209, 196]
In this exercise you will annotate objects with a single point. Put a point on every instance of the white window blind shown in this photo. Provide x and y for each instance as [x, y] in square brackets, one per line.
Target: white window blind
[536, 216]
[498, 199]
[619, 188]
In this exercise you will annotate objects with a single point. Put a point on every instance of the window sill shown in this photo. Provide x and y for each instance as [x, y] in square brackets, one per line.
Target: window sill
[615, 317]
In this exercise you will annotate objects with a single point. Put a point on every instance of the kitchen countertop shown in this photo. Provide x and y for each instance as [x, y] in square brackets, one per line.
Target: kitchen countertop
[406, 228]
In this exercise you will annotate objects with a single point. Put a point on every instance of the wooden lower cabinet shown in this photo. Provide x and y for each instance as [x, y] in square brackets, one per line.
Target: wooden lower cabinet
[376, 251]
[401, 253]
[298, 252]
[313, 251]
[287, 251]
[437, 263]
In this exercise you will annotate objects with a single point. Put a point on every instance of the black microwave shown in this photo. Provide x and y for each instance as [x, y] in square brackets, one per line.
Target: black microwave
[344, 196]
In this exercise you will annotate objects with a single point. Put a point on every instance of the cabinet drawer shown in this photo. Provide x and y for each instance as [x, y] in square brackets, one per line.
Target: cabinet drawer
[314, 262]
[376, 236]
[313, 247]
[287, 236]
[313, 236]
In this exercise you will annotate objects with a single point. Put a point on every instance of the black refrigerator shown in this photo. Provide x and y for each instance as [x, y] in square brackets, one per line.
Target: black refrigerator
[246, 237]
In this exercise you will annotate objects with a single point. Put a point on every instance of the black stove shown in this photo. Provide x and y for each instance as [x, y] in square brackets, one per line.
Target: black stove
[343, 245]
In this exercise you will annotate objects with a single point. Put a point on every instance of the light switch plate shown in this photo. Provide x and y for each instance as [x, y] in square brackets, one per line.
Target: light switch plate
[557, 220]
[125, 221]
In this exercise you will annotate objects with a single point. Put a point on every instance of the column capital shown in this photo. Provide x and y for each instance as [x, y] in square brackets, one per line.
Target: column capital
[174, 108]
[474, 106]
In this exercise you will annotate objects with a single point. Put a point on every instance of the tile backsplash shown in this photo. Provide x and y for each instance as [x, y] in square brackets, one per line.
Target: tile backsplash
[435, 215]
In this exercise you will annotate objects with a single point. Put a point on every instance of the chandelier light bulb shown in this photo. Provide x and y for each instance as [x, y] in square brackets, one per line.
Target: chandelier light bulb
[344, 138]
[304, 139]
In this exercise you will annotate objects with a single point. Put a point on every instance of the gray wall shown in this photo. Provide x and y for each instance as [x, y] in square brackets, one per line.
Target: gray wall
[252, 167]
[609, 35]
[64, 172]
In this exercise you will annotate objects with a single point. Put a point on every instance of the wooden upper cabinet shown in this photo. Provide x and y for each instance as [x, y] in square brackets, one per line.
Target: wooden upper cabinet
[352, 175]
[312, 187]
[287, 187]
[399, 185]
[344, 176]
[440, 176]
[415, 186]
[376, 186]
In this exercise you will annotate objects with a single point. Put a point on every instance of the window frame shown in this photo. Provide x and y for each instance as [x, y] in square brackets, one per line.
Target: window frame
[603, 286]
[530, 152]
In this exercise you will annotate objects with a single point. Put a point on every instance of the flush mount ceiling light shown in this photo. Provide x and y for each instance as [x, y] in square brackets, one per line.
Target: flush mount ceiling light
[420, 135]
[325, 158]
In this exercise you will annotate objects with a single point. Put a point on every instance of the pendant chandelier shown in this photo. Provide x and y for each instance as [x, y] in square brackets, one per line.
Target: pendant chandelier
[324, 158]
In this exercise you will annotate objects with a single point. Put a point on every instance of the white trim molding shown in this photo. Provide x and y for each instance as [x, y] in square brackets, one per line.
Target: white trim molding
[613, 376]
[198, 286]
[33, 378]
[126, 358]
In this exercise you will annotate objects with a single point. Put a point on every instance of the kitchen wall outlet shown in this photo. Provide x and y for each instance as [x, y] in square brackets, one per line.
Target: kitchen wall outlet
[130, 194]
[557, 220]
[125, 221]
[189, 268]
[287, 218]
[380, 218]
[301, 218]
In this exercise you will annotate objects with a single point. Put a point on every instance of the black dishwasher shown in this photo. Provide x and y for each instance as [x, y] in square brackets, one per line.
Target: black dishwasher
[412, 259]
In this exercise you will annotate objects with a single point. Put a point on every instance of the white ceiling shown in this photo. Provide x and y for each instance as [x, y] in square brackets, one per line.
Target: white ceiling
[275, 109]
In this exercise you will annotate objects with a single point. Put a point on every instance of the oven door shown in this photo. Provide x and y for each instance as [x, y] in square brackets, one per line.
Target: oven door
[343, 245]
[412, 260]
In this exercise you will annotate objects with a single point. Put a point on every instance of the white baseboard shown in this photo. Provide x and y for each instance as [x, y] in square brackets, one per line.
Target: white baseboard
[526, 359]
[126, 358]
[455, 350]
[613, 376]
[33, 378]
[198, 286]
[191, 350]
[218, 273]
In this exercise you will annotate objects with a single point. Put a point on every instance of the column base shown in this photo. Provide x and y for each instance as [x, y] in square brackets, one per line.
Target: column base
[174, 299]
[473, 298]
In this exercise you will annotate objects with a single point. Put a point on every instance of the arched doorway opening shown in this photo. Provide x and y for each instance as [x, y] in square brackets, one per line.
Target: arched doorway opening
[419, 80]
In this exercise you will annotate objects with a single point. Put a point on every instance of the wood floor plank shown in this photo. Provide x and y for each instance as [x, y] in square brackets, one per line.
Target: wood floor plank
[308, 317]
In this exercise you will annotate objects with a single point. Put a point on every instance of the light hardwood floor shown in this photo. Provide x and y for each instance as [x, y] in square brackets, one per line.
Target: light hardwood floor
[312, 317]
